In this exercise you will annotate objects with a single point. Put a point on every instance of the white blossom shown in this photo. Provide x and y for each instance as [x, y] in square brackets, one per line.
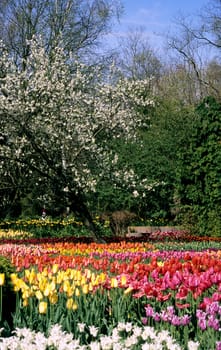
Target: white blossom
[135, 193]
[193, 345]
[93, 330]
[55, 114]
[81, 327]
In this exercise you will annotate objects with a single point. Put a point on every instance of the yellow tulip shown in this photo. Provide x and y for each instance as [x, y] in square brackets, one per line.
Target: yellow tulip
[93, 277]
[42, 283]
[32, 276]
[42, 308]
[77, 292]
[55, 268]
[69, 273]
[102, 277]
[27, 273]
[45, 272]
[24, 286]
[73, 274]
[25, 302]
[90, 287]
[50, 275]
[83, 280]
[78, 275]
[2, 279]
[123, 280]
[88, 273]
[66, 285]
[128, 290]
[13, 277]
[53, 298]
[70, 291]
[85, 288]
[75, 306]
[60, 277]
[47, 290]
[26, 294]
[69, 303]
[16, 288]
[52, 286]
[39, 295]
[114, 283]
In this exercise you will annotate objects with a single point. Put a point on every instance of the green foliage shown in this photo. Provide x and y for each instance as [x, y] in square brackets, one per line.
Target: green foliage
[214, 222]
[6, 267]
[188, 219]
[154, 156]
[7, 294]
[200, 170]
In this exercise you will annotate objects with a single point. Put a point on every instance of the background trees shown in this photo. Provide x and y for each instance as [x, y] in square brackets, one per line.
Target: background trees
[79, 25]
[200, 173]
[198, 47]
[136, 58]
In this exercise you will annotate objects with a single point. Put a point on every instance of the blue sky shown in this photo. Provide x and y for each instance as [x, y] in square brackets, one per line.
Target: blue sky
[156, 16]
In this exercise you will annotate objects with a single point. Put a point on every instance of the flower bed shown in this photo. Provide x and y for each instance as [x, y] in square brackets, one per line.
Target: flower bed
[125, 295]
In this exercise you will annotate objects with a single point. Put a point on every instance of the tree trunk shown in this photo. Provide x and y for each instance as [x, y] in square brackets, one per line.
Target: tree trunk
[78, 206]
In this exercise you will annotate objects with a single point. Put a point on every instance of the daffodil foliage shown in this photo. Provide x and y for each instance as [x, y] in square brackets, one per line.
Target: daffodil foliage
[58, 117]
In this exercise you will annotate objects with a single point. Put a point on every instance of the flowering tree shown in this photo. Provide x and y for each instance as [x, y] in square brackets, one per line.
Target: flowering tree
[57, 118]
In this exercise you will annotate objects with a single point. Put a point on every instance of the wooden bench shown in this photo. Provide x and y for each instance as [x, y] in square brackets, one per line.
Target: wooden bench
[139, 231]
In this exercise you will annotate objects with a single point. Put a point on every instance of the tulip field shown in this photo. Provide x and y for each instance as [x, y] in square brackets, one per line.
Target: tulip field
[125, 294]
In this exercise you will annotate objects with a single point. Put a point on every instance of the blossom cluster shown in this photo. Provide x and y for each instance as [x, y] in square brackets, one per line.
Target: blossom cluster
[211, 317]
[168, 315]
[61, 114]
[144, 337]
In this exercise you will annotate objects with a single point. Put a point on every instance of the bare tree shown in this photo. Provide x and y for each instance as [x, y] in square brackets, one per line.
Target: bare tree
[209, 30]
[137, 58]
[195, 42]
[77, 24]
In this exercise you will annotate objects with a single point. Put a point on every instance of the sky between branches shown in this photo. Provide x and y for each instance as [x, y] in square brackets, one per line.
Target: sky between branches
[155, 16]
